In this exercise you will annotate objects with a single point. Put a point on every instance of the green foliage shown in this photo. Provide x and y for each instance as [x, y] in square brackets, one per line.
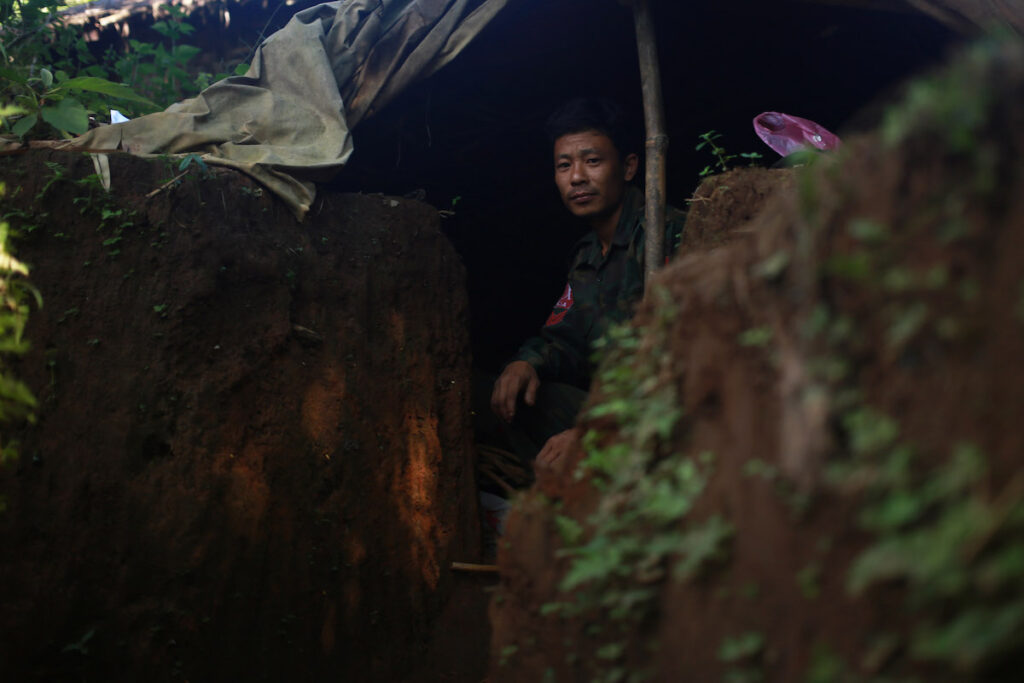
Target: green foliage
[195, 161]
[957, 549]
[63, 102]
[159, 71]
[951, 545]
[867, 230]
[756, 336]
[826, 666]
[742, 652]
[945, 531]
[723, 160]
[506, 654]
[52, 83]
[49, 76]
[81, 645]
[16, 400]
[641, 533]
[741, 647]
[569, 529]
[809, 580]
[773, 266]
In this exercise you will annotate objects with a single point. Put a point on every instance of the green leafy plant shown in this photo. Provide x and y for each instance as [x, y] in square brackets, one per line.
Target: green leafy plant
[16, 400]
[63, 102]
[723, 160]
[944, 524]
[93, 199]
[195, 161]
[640, 535]
[160, 70]
[50, 81]
[741, 647]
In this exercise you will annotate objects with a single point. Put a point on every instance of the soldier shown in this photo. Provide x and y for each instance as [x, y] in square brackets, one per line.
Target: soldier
[540, 392]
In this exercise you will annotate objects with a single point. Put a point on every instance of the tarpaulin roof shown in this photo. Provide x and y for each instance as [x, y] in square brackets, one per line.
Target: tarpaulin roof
[287, 121]
[962, 13]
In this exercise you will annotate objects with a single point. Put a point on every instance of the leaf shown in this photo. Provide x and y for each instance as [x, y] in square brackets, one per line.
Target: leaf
[46, 76]
[185, 52]
[972, 637]
[569, 529]
[702, 544]
[773, 266]
[16, 398]
[7, 111]
[105, 87]
[755, 336]
[14, 75]
[24, 125]
[741, 647]
[867, 230]
[68, 116]
[611, 651]
[906, 324]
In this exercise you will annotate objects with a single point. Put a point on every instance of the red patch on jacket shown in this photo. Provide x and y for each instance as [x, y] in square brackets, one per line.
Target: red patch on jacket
[562, 307]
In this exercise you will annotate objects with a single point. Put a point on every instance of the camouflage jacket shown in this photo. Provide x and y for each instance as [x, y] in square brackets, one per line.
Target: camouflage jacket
[603, 289]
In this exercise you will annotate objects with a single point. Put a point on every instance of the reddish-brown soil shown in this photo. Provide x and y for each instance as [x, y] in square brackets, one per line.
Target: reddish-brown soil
[952, 211]
[252, 455]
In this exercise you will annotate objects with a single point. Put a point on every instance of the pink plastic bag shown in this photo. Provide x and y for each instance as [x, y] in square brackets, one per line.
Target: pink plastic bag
[787, 134]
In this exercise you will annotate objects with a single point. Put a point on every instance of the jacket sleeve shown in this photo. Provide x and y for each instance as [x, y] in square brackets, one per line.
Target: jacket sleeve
[675, 221]
[558, 352]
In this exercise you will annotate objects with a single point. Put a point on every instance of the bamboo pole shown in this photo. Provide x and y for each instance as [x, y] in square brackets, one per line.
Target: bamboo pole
[657, 141]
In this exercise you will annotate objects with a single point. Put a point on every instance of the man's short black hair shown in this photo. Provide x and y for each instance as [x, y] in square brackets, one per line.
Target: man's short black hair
[582, 114]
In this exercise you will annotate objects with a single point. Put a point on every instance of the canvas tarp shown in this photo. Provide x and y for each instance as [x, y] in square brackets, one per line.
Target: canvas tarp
[961, 14]
[966, 16]
[288, 120]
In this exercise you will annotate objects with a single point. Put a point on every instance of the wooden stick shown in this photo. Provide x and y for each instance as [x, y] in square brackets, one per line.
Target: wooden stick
[169, 183]
[475, 568]
[657, 141]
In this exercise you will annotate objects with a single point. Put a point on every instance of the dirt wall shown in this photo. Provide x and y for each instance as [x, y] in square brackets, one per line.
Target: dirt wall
[803, 461]
[252, 453]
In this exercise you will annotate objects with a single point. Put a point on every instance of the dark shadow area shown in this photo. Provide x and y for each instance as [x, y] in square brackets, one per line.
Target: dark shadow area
[470, 139]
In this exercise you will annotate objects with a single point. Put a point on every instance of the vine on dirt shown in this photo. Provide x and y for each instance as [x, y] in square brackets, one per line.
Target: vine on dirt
[942, 527]
[640, 534]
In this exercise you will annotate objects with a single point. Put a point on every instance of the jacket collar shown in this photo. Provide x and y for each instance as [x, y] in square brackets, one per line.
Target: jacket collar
[629, 220]
[632, 216]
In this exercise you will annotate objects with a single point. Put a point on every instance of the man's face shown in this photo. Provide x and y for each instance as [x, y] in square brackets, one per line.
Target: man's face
[590, 175]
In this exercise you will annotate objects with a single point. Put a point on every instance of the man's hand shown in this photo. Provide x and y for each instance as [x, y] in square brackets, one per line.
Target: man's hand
[518, 377]
[557, 448]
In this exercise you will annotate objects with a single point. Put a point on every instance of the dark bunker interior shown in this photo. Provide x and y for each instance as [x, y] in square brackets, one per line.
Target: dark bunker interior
[470, 138]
